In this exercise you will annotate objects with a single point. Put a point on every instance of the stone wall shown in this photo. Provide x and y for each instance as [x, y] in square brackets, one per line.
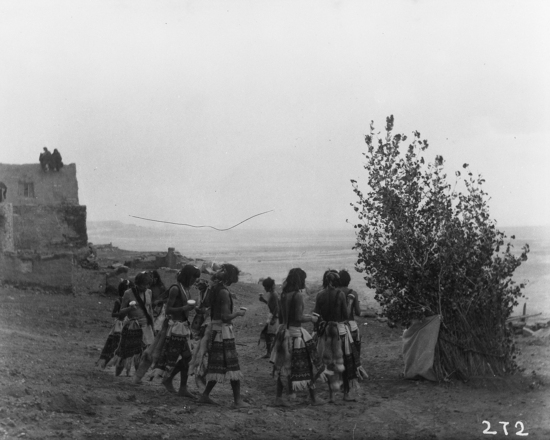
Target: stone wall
[6, 227]
[49, 227]
[87, 281]
[41, 226]
[27, 184]
[167, 275]
[50, 272]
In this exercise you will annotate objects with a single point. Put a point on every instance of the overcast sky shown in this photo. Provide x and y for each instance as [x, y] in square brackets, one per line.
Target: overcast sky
[210, 112]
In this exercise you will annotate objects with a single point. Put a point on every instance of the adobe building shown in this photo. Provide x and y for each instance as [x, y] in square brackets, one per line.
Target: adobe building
[42, 227]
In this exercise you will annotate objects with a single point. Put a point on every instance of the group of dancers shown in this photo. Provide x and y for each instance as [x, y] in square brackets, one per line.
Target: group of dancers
[153, 332]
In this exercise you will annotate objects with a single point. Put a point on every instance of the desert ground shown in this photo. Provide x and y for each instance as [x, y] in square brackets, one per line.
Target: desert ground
[50, 387]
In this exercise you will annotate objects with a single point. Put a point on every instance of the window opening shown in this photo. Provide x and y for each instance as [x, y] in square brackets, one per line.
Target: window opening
[27, 189]
[3, 192]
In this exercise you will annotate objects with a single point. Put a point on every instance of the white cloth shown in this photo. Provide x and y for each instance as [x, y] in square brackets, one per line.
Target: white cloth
[419, 348]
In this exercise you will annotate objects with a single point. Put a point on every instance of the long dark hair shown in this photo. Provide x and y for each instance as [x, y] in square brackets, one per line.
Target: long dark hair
[227, 275]
[331, 277]
[344, 278]
[187, 273]
[295, 280]
[143, 278]
[268, 284]
[123, 286]
[157, 280]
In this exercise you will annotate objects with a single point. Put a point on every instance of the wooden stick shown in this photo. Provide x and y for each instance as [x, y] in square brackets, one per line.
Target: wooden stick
[515, 318]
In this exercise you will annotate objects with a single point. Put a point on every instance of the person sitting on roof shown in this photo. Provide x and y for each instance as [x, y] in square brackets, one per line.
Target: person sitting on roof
[45, 159]
[56, 162]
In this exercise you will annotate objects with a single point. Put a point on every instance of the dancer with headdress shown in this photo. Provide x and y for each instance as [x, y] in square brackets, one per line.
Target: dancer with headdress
[137, 332]
[216, 359]
[296, 363]
[335, 343]
[270, 329]
[113, 339]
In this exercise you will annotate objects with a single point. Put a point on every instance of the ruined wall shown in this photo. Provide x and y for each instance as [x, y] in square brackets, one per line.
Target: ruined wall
[50, 272]
[168, 276]
[6, 227]
[49, 228]
[87, 281]
[27, 184]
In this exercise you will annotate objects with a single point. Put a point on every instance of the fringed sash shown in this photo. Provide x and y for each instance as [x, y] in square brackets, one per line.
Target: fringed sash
[356, 336]
[268, 332]
[352, 358]
[111, 344]
[295, 355]
[339, 353]
[223, 362]
[175, 345]
[131, 340]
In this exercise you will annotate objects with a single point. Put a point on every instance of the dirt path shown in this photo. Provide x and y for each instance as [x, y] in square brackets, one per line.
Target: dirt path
[50, 388]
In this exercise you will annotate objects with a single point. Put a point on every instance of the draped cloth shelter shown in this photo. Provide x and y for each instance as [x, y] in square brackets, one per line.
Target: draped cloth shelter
[419, 348]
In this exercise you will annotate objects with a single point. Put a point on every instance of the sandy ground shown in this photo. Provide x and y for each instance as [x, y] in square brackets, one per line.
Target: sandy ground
[51, 389]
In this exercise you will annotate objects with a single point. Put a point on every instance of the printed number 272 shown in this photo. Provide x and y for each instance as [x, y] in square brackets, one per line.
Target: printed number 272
[504, 425]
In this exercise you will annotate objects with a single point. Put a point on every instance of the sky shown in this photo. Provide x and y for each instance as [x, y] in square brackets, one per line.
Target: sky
[209, 112]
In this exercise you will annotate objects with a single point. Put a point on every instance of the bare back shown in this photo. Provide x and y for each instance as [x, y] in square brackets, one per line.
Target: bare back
[292, 308]
[331, 305]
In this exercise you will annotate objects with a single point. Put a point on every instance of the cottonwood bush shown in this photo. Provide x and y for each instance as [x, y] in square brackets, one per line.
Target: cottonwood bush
[429, 247]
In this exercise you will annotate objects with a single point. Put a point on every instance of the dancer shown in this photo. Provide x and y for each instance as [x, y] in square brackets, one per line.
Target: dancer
[335, 344]
[137, 332]
[294, 355]
[113, 339]
[216, 358]
[354, 309]
[159, 296]
[270, 329]
[175, 353]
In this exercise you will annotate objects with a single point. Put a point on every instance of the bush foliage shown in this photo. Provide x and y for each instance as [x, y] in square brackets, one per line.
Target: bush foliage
[429, 248]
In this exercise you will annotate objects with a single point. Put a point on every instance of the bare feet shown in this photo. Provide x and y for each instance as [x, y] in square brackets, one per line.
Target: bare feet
[207, 400]
[240, 404]
[280, 402]
[183, 392]
[169, 387]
